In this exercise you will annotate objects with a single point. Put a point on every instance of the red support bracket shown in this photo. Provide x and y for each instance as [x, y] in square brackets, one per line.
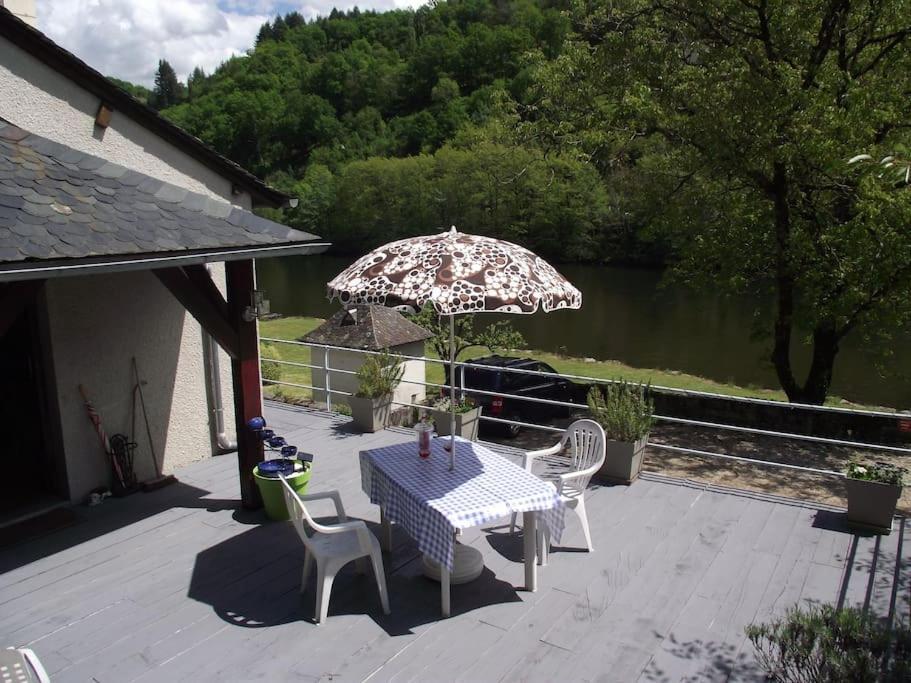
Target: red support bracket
[198, 297]
[248, 399]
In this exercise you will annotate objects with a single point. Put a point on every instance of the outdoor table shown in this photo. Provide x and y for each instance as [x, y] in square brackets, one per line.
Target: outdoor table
[432, 503]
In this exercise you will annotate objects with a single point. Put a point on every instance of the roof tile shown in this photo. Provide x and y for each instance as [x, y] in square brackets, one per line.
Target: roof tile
[57, 202]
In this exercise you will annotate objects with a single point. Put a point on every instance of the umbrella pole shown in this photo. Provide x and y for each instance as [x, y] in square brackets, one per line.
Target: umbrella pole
[452, 405]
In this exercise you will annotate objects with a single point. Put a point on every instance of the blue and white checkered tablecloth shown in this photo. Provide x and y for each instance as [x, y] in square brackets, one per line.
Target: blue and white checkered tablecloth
[430, 502]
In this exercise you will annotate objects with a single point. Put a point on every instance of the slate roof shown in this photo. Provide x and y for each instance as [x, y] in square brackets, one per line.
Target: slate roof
[59, 203]
[66, 63]
[371, 328]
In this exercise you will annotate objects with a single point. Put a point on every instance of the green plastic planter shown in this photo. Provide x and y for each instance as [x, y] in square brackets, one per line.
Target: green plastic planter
[271, 492]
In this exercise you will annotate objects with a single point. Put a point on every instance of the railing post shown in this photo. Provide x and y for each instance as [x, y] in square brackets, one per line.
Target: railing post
[326, 369]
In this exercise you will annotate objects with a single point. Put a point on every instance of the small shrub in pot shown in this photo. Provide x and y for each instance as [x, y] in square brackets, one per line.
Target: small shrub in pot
[624, 410]
[378, 377]
[467, 413]
[873, 490]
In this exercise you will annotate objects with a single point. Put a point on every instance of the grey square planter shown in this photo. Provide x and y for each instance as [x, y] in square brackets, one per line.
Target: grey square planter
[871, 504]
[370, 414]
[466, 423]
[623, 461]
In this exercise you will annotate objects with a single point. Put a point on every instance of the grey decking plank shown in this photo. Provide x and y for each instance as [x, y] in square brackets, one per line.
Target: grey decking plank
[498, 661]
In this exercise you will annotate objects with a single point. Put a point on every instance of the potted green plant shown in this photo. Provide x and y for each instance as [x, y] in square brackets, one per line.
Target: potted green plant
[378, 377]
[468, 417]
[624, 410]
[873, 491]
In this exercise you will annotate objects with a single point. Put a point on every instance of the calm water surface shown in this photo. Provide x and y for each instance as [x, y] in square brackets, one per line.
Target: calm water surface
[628, 316]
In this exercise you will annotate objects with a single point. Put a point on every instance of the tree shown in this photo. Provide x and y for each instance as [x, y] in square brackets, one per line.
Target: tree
[735, 120]
[498, 335]
[196, 83]
[168, 91]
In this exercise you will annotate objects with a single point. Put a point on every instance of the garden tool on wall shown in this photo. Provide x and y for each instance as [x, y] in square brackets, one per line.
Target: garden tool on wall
[159, 480]
[95, 419]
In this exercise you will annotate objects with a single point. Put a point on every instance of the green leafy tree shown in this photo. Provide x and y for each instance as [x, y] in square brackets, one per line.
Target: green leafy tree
[168, 91]
[140, 92]
[734, 121]
[494, 337]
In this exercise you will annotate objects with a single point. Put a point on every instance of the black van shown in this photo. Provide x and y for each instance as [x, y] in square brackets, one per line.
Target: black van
[521, 384]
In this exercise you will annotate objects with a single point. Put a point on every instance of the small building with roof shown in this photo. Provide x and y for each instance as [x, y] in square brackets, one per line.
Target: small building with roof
[367, 328]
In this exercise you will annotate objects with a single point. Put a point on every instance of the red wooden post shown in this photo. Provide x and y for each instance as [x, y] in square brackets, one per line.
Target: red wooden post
[247, 383]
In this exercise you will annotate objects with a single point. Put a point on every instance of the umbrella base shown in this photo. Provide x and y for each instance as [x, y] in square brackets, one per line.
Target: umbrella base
[467, 565]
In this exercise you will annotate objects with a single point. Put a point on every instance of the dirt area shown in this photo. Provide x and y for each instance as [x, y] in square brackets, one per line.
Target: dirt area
[778, 481]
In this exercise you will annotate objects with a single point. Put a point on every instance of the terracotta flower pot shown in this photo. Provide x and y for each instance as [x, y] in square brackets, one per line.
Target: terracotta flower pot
[466, 423]
[623, 461]
[370, 414]
[871, 504]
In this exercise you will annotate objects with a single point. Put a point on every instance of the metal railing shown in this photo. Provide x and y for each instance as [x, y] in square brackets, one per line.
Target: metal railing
[460, 366]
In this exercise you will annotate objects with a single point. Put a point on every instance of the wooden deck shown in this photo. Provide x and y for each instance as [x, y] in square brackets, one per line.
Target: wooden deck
[181, 584]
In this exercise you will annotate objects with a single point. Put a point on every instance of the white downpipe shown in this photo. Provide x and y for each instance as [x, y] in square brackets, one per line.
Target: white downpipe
[222, 442]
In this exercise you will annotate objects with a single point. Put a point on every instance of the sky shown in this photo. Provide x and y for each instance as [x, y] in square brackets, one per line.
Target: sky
[126, 38]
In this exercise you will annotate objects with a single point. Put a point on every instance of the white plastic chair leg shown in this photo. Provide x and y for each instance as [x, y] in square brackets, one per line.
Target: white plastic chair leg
[583, 519]
[308, 567]
[512, 523]
[324, 578]
[380, 577]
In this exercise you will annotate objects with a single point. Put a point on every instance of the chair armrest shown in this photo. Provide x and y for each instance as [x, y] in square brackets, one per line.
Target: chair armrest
[343, 527]
[578, 474]
[530, 456]
[328, 495]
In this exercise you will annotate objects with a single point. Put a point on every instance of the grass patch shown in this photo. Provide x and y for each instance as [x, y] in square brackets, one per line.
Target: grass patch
[294, 327]
[291, 329]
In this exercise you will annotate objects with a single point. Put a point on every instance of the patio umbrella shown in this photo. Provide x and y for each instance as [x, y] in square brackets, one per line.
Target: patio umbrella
[456, 273]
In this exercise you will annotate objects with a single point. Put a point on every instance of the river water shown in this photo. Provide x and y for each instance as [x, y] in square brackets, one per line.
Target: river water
[627, 315]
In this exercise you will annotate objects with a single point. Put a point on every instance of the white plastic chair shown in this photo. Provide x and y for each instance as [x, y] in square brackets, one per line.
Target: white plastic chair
[587, 449]
[333, 546]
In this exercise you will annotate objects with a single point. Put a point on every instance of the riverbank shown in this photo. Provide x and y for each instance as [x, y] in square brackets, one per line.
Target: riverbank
[291, 328]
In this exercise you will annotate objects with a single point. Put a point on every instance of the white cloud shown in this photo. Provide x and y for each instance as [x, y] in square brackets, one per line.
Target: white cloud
[126, 38]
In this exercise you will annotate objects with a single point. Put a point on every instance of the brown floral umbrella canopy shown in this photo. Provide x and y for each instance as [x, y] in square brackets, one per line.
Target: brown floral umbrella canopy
[457, 273]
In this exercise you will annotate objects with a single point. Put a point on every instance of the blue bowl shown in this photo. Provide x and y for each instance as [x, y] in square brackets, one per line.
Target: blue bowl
[289, 451]
[272, 468]
[256, 423]
[277, 442]
[266, 434]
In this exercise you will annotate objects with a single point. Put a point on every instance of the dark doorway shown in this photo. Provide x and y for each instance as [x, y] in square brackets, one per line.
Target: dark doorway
[27, 478]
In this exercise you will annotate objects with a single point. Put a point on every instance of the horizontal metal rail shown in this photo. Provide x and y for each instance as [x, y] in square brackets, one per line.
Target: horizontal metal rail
[325, 367]
[578, 406]
[784, 435]
[601, 380]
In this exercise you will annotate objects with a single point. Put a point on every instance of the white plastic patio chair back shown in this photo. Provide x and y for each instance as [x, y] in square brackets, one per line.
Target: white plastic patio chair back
[587, 450]
[587, 445]
[332, 546]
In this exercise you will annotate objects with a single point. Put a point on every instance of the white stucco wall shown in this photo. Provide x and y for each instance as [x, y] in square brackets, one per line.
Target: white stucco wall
[40, 100]
[407, 391]
[24, 9]
[98, 323]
